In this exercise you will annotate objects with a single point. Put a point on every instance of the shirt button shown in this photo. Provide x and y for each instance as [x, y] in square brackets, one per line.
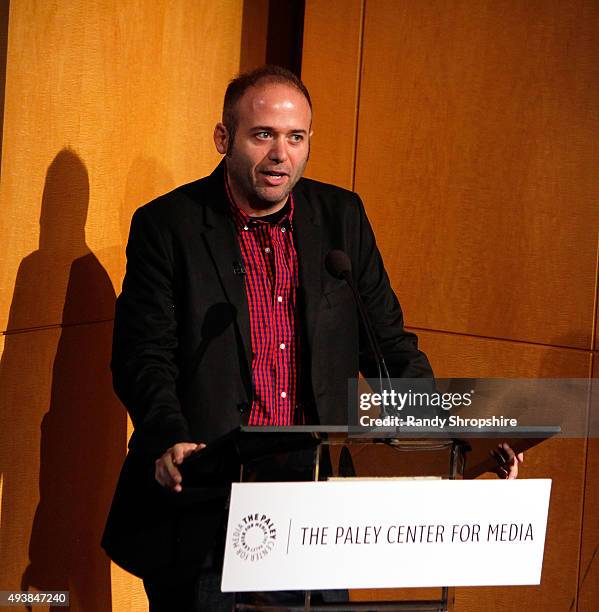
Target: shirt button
[279, 298]
[282, 345]
[283, 394]
[283, 229]
[267, 250]
[246, 228]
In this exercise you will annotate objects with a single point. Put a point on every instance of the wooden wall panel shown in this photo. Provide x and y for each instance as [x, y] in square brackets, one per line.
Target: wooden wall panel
[596, 340]
[25, 390]
[254, 34]
[563, 460]
[62, 448]
[457, 355]
[107, 105]
[588, 581]
[333, 29]
[477, 155]
[133, 90]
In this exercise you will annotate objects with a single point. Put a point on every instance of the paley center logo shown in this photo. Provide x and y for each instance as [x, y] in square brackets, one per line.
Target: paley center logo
[254, 537]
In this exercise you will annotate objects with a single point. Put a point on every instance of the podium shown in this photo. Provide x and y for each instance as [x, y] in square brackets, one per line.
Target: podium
[337, 455]
[318, 453]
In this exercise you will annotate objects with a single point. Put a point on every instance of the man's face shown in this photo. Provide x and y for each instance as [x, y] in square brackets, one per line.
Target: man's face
[270, 148]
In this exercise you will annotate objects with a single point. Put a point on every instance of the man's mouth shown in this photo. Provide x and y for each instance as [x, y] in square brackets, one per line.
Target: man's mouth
[272, 178]
[273, 173]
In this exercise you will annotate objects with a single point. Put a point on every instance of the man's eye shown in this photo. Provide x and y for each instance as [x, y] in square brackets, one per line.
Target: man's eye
[297, 137]
[262, 135]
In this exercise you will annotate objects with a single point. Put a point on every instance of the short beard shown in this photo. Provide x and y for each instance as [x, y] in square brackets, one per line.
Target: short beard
[258, 203]
[231, 141]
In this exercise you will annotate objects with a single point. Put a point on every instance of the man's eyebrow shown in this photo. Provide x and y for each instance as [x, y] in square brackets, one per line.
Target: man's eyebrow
[267, 128]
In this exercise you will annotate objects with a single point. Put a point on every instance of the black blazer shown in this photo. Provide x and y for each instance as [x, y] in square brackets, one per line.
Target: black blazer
[182, 344]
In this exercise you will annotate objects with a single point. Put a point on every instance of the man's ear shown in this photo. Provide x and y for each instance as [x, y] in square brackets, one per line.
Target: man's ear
[221, 138]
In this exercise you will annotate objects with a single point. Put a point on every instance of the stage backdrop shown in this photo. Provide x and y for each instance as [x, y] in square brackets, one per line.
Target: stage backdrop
[107, 105]
[471, 130]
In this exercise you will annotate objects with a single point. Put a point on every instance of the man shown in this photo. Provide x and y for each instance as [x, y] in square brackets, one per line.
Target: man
[227, 315]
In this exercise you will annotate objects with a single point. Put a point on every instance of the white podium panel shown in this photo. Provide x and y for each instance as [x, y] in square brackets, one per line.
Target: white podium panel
[385, 533]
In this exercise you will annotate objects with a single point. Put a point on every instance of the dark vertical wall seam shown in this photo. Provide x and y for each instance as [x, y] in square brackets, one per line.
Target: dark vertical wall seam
[358, 94]
[583, 571]
[4, 10]
[594, 339]
[285, 34]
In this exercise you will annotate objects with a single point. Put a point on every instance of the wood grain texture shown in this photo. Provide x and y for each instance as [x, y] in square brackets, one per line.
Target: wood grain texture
[254, 34]
[129, 594]
[107, 105]
[133, 91]
[330, 70]
[596, 334]
[63, 442]
[477, 154]
[588, 581]
[563, 460]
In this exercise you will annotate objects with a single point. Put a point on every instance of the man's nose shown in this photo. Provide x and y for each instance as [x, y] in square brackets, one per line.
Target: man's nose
[278, 150]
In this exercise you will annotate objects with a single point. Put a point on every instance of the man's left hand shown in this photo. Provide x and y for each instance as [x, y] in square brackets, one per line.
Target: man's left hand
[507, 461]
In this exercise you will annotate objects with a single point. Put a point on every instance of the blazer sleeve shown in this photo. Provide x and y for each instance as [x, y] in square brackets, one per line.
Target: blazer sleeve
[144, 363]
[399, 347]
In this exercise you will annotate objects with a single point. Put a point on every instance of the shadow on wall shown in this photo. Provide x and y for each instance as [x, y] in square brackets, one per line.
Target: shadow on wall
[83, 431]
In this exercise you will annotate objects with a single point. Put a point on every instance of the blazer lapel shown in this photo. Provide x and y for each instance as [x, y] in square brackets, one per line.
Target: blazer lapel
[223, 247]
[308, 241]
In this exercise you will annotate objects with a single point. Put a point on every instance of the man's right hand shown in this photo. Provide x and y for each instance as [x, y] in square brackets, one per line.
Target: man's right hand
[166, 471]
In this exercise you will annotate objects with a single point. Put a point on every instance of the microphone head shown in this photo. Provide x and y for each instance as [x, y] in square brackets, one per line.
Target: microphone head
[337, 263]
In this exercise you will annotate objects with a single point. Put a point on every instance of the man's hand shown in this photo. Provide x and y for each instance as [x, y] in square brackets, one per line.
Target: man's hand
[507, 461]
[166, 471]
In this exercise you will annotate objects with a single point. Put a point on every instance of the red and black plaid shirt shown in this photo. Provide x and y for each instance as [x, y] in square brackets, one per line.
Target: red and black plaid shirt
[271, 280]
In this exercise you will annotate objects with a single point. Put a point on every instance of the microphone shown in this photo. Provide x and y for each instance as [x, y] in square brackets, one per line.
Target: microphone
[238, 268]
[338, 265]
